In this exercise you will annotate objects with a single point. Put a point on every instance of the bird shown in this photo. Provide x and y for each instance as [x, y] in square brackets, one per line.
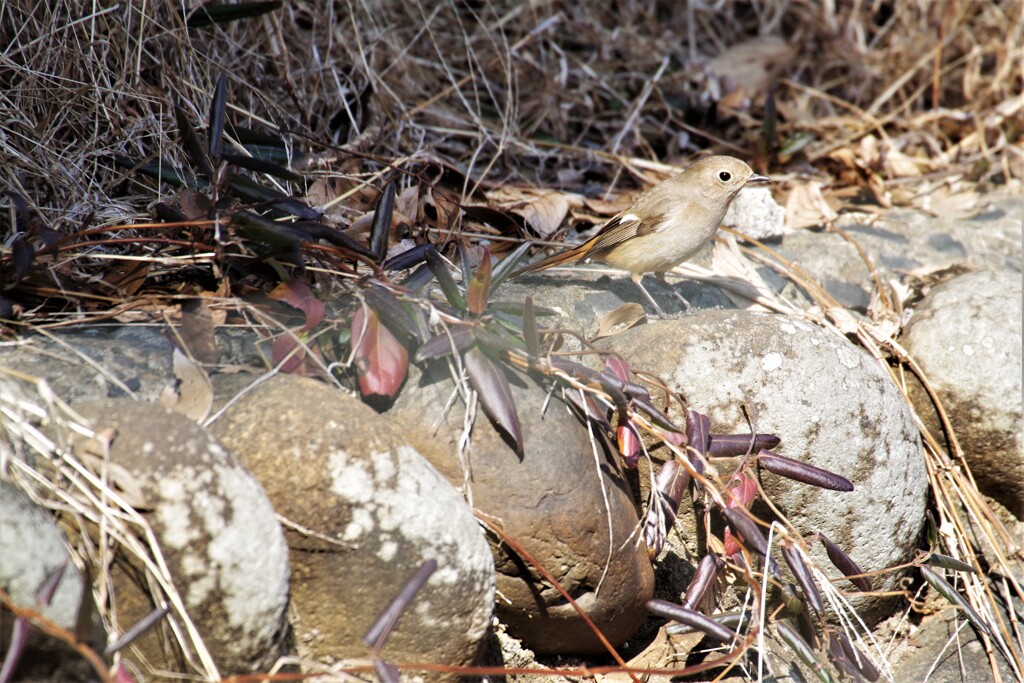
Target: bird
[666, 225]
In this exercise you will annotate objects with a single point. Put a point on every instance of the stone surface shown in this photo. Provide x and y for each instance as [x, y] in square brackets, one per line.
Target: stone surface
[574, 521]
[216, 529]
[32, 551]
[755, 212]
[367, 511]
[831, 404]
[96, 362]
[966, 336]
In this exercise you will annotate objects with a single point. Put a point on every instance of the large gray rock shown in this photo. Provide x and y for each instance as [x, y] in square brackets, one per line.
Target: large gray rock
[367, 511]
[570, 508]
[32, 552]
[216, 529]
[966, 336]
[831, 404]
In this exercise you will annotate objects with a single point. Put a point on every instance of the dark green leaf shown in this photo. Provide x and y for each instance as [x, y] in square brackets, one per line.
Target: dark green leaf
[260, 166]
[161, 170]
[250, 190]
[190, 141]
[407, 322]
[947, 591]
[504, 268]
[439, 268]
[168, 214]
[211, 14]
[947, 562]
[495, 394]
[336, 237]
[803, 650]
[215, 131]
[380, 232]
[272, 233]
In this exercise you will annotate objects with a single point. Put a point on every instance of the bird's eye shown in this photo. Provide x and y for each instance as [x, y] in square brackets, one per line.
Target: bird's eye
[725, 176]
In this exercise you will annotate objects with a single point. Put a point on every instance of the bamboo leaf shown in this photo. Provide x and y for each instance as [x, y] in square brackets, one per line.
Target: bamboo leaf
[216, 124]
[380, 231]
[947, 591]
[190, 141]
[845, 564]
[504, 268]
[683, 615]
[803, 650]
[803, 576]
[495, 394]
[440, 270]
[211, 14]
[802, 472]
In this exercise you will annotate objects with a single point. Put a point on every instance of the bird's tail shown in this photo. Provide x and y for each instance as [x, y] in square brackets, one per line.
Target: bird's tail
[559, 259]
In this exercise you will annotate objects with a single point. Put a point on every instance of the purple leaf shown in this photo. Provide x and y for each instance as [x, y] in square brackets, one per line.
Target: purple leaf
[691, 618]
[380, 359]
[803, 576]
[845, 564]
[495, 394]
[801, 471]
[730, 445]
[707, 571]
[378, 634]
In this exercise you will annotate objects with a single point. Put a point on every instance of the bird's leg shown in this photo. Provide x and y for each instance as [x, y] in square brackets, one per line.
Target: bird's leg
[636, 280]
[685, 304]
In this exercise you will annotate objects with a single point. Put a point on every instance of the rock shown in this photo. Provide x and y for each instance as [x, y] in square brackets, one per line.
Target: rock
[216, 529]
[970, 350]
[755, 212]
[367, 510]
[552, 501]
[96, 363]
[32, 551]
[902, 241]
[831, 404]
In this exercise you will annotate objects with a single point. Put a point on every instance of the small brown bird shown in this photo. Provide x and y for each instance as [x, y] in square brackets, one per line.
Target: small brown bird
[666, 225]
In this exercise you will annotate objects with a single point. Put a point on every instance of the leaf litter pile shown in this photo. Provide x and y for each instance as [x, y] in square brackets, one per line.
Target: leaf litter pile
[308, 169]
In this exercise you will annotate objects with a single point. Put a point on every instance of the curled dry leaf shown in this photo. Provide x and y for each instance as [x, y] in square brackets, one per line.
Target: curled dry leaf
[619, 320]
[297, 294]
[807, 207]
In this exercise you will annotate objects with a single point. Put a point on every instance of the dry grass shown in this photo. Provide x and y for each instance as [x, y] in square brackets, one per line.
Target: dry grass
[473, 96]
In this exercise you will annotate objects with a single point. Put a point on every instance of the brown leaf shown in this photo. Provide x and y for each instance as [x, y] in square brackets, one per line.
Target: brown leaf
[479, 286]
[381, 360]
[806, 207]
[545, 213]
[195, 393]
[619, 320]
[197, 332]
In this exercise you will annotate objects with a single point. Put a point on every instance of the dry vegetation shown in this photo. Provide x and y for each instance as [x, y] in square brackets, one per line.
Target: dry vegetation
[487, 105]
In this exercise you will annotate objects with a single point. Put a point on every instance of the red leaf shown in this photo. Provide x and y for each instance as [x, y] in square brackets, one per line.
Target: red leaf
[629, 444]
[381, 360]
[742, 494]
[298, 295]
[617, 367]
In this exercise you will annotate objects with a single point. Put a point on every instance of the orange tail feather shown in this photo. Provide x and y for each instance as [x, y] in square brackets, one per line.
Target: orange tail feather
[559, 259]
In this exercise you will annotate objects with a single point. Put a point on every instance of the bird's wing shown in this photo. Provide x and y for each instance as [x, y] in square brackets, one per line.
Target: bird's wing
[623, 227]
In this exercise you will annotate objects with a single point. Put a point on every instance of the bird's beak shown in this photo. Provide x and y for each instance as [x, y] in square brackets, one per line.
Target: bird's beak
[758, 179]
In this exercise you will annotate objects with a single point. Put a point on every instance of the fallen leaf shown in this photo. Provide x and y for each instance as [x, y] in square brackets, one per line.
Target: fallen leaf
[194, 391]
[806, 207]
[297, 294]
[619, 320]
[545, 213]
